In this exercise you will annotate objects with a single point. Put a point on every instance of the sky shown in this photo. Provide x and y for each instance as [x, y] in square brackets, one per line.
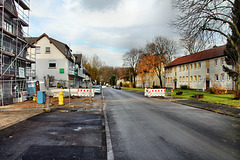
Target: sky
[107, 28]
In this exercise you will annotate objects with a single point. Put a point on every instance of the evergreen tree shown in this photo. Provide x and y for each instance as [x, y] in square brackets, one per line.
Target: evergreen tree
[232, 50]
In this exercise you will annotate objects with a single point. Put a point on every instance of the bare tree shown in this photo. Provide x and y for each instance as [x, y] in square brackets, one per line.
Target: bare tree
[210, 19]
[193, 45]
[94, 66]
[131, 59]
[161, 51]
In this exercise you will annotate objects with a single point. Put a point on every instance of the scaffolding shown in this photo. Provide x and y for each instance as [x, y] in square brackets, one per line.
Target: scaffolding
[15, 61]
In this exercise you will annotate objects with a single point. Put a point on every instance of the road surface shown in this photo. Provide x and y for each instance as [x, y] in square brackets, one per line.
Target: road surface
[150, 128]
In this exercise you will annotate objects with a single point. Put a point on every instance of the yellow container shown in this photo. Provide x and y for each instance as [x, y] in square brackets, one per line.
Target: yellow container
[60, 98]
[34, 99]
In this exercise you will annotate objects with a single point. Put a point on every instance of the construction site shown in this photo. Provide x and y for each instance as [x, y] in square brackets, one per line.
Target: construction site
[16, 63]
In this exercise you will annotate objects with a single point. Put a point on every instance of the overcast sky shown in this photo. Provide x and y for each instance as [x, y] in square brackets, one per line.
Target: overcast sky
[107, 28]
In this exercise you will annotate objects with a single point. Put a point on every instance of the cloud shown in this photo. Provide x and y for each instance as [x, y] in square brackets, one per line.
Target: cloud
[112, 26]
[102, 5]
[108, 56]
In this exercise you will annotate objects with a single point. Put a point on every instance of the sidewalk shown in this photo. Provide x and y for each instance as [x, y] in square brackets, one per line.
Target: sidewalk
[81, 133]
[221, 109]
[15, 113]
[9, 118]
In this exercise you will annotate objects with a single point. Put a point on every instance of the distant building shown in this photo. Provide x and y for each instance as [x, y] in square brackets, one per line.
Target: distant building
[124, 81]
[55, 59]
[150, 78]
[14, 62]
[201, 70]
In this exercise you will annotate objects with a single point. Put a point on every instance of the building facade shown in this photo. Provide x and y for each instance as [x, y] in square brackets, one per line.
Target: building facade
[14, 23]
[55, 59]
[199, 71]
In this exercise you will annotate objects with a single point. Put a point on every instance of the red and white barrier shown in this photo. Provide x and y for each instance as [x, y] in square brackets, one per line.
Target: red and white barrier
[73, 92]
[86, 92]
[154, 92]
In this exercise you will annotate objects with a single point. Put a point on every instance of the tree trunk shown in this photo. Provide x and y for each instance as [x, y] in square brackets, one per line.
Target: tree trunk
[237, 83]
[160, 80]
[134, 81]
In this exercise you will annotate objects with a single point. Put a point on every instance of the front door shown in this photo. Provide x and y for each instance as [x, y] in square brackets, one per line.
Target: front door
[175, 84]
[207, 84]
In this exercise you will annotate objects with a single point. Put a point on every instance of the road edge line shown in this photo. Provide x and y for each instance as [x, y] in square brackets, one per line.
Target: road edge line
[110, 155]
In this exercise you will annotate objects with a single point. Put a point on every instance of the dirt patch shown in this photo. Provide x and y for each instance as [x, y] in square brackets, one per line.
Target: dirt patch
[53, 102]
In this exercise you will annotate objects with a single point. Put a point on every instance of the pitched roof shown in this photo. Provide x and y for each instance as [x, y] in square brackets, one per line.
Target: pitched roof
[61, 46]
[78, 58]
[203, 55]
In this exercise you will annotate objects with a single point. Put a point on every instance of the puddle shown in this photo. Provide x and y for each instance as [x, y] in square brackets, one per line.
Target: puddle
[64, 110]
[78, 129]
[53, 133]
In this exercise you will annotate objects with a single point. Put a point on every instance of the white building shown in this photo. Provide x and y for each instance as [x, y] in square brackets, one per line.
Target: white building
[201, 70]
[55, 59]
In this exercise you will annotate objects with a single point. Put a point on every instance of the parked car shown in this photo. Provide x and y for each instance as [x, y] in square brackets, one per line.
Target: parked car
[118, 87]
[97, 88]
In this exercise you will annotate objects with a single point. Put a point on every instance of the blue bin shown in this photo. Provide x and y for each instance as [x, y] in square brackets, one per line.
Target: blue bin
[41, 97]
[31, 88]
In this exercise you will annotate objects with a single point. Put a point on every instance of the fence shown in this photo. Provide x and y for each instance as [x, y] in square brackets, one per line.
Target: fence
[12, 91]
[19, 90]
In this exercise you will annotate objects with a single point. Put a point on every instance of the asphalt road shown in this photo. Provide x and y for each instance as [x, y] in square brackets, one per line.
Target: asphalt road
[149, 128]
[67, 133]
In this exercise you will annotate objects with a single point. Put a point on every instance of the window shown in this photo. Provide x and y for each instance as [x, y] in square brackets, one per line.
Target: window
[179, 68]
[195, 65]
[191, 78]
[183, 67]
[186, 78]
[216, 62]
[52, 65]
[183, 78]
[190, 66]
[180, 78]
[199, 78]
[175, 74]
[222, 77]
[229, 78]
[216, 77]
[199, 65]
[48, 50]
[7, 26]
[222, 61]
[195, 78]
[170, 79]
[37, 50]
[186, 67]
[207, 70]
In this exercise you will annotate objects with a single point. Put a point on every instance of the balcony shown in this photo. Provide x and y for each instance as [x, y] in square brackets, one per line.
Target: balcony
[23, 16]
[13, 71]
[24, 4]
[9, 49]
[8, 8]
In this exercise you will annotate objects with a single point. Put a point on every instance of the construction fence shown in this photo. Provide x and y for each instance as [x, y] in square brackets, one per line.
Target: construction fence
[47, 89]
